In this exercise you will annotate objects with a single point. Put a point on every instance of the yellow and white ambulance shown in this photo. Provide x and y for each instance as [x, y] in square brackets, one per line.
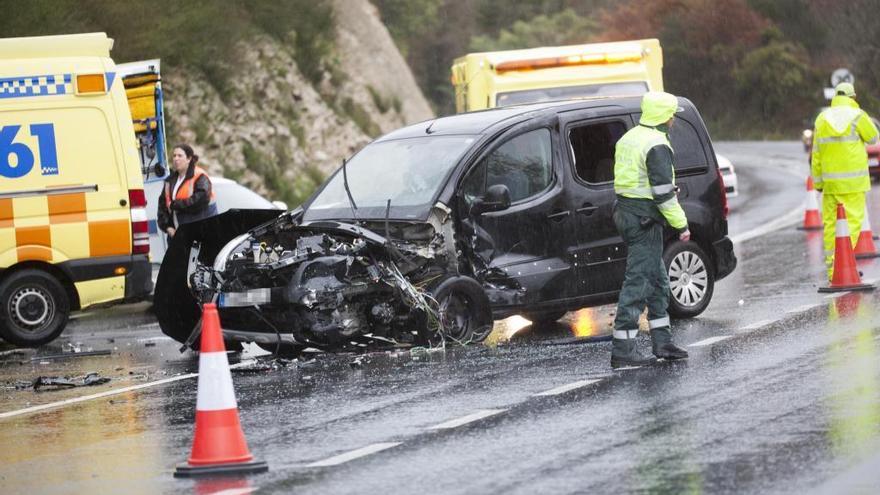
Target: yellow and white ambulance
[511, 77]
[73, 225]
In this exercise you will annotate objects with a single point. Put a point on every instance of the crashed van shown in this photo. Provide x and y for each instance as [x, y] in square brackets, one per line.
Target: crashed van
[432, 231]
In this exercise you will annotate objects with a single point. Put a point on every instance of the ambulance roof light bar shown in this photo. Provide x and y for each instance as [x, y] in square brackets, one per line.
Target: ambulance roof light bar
[568, 61]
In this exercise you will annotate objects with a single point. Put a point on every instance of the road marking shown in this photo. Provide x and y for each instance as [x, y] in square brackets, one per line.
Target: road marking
[354, 454]
[566, 388]
[801, 309]
[236, 491]
[108, 393]
[756, 325]
[710, 340]
[470, 418]
[789, 218]
[836, 295]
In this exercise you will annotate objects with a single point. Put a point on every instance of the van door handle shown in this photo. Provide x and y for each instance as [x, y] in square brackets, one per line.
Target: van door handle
[588, 209]
[558, 216]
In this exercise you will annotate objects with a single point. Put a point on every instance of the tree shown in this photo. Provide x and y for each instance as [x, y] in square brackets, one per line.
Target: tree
[564, 28]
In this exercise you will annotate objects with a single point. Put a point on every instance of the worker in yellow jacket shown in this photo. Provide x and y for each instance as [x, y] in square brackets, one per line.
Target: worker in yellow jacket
[839, 164]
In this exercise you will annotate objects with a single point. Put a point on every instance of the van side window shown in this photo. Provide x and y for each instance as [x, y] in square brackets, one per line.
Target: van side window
[524, 164]
[689, 153]
[592, 148]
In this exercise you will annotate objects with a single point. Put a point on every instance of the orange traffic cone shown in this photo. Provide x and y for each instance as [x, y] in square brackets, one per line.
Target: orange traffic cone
[865, 248]
[219, 446]
[845, 276]
[812, 218]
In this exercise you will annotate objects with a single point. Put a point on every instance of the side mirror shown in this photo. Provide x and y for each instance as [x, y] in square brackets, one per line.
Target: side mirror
[497, 198]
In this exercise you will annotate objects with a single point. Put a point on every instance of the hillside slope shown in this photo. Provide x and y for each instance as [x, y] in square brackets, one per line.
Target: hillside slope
[273, 129]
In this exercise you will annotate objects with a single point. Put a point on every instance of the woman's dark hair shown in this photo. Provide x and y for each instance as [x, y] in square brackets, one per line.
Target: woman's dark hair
[188, 151]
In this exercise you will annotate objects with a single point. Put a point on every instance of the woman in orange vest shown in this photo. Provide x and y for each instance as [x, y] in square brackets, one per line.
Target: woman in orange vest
[187, 195]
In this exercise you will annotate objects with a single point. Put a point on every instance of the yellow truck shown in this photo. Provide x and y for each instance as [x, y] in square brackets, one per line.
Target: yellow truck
[511, 77]
[73, 224]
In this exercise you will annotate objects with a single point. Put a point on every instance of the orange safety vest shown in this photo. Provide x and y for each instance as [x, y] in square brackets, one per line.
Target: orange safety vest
[185, 190]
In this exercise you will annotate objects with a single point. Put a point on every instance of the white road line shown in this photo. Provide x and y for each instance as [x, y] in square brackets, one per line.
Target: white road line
[801, 309]
[470, 418]
[108, 393]
[836, 295]
[710, 341]
[566, 388]
[236, 491]
[354, 454]
[756, 325]
[786, 220]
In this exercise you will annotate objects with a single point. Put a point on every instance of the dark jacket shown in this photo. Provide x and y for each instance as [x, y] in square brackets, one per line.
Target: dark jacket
[197, 207]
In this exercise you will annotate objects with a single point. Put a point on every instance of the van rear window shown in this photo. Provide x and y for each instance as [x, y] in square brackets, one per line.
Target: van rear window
[690, 156]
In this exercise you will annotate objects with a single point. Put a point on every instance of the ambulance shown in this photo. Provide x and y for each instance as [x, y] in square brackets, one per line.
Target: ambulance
[73, 225]
[512, 77]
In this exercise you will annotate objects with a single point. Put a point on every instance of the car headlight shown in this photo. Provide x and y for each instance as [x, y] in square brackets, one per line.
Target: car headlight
[228, 249]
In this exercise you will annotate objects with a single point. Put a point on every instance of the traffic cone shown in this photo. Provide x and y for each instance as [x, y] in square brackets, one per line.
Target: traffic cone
[865, 248]
[812, 218]
[844, 276]
[219, 446]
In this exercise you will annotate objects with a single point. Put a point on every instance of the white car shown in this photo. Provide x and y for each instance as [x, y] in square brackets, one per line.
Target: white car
[729, 175]
[229, 194]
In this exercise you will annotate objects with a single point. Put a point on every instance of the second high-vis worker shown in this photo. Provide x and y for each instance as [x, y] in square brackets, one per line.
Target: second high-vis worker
[839, 164]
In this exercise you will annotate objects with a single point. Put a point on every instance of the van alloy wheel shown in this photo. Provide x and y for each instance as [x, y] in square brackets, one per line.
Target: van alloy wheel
[688, 278]
[691, 279]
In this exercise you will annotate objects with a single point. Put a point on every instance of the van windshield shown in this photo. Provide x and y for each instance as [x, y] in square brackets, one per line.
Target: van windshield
[632, 88]
[409, 172]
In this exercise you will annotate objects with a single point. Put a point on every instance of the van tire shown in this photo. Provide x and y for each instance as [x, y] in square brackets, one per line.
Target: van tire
[464, 309]
[691, 279]
[34, 308]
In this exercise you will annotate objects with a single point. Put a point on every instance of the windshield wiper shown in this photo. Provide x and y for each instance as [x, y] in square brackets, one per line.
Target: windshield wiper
[347, 190]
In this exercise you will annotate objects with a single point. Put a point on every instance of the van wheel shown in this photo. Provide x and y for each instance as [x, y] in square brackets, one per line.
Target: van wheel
[691, 279]
[34, 310]
[465, 312]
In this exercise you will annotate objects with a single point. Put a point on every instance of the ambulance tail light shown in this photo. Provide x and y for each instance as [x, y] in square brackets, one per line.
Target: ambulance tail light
[572, 60]
[140, 232]
[725, 209]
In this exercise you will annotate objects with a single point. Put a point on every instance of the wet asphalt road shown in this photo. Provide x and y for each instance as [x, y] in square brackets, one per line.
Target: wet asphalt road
[781, 394]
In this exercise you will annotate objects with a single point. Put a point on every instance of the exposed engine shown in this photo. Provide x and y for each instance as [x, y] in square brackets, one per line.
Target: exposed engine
[334, 285]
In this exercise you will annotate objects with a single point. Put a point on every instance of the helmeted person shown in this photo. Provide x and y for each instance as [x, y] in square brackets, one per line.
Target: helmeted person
[839, 164]
[187, 195]
[644, 181]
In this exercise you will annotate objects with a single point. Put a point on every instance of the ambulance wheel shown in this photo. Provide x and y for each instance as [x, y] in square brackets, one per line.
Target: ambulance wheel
[691, 279]
[34, 310]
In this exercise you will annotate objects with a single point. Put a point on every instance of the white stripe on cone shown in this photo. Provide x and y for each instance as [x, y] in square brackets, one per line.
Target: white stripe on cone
[812, 200]
[866, 224]
[841, 229]
[215, 383]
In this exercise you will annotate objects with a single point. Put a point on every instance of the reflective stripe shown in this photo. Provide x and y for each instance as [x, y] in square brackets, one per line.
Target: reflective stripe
[640, 192]
[845, 175]
[668, 204]
[625, 334]
[852, 136]
[841, 229]
[662, 189]
[659, 322]
[873, 141]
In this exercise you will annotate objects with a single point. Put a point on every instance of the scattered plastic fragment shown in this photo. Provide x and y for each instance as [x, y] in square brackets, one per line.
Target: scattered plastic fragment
[48, 383]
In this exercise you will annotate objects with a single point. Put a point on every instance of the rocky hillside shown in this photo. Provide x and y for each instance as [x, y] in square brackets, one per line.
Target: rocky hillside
[273, 129]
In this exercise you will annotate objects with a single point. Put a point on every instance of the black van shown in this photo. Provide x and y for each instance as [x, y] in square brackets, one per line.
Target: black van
[435, 229]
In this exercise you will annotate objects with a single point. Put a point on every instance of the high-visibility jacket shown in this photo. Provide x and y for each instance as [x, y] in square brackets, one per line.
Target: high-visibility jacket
[633, 178]
[193, 200]
[839, 164]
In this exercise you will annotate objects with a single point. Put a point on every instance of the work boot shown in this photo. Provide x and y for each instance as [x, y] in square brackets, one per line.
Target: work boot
[663, 347]
[625, 353]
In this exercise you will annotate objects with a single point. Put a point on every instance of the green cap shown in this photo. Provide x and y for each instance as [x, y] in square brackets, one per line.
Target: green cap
[845, 89]
[658, 107]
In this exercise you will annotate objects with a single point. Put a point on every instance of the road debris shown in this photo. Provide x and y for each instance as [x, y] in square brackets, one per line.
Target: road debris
[68, 355]
[51, 383]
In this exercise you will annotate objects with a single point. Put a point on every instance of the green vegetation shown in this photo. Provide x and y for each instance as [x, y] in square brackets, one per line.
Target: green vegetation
[360, 116]
[196, 35]
[755, 68]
